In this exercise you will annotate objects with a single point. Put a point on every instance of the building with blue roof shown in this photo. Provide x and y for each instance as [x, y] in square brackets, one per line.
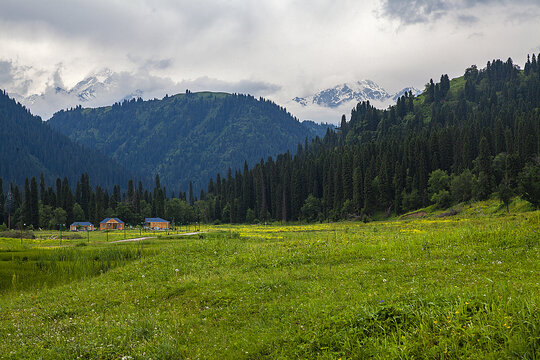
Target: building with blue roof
[111, 224]
[81, 226]
[157, 223]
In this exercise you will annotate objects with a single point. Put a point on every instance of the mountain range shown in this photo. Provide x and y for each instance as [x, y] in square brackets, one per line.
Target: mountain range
[347, 93]
[101, 88]
[105, 87]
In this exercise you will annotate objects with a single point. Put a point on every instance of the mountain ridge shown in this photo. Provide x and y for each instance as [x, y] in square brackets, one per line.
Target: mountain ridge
[345, 93]
[190, 136]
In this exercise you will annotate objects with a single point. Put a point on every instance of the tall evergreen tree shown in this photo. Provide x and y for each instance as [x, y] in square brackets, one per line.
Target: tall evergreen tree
[34, 203]
[27, 205]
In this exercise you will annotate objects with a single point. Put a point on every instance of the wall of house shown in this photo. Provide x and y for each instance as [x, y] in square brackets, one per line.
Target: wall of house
[82, 228]
[158, 225]
[110, 226]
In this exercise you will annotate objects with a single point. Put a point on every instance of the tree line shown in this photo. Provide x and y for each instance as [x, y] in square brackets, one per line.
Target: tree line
[47, 206]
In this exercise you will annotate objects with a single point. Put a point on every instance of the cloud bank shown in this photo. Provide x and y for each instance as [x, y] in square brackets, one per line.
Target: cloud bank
[279, 49]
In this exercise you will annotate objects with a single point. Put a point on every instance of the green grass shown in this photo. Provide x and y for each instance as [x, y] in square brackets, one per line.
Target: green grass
[459, 287]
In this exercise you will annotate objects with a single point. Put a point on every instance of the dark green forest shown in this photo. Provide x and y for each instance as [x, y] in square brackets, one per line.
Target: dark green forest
[187, 137]
[29, 146]
[469, 138]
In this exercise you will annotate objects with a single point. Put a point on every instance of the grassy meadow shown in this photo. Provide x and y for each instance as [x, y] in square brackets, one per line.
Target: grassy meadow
[464, 286]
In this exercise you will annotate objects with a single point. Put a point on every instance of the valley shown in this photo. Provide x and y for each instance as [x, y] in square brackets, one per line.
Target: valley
[397, 288]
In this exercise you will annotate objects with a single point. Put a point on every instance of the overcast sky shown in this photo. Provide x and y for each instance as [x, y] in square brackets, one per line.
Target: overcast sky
[276, 49]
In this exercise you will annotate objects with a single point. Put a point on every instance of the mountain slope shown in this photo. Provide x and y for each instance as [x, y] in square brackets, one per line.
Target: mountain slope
[188, 136]
[28, 147]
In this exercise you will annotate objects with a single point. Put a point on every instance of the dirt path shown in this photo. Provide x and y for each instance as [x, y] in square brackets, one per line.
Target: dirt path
[189, 233]
[153, 237]
[137, 239]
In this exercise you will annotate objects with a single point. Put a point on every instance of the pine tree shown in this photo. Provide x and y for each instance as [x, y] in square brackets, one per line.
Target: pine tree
[2, 202]
[430, 96]
[484, 171]
[191, 198]
[9, 207]
[27, 205]
[34, 203]
[42, 188]
[59, 201]
[68, 201]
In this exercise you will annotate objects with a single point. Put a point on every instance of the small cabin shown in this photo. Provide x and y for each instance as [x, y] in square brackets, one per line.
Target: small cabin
[157, 223]
[81, 226]
[111, 224]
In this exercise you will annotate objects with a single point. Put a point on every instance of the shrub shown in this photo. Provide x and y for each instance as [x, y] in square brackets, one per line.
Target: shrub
[442, 199]
[529, 184]
[14, 234]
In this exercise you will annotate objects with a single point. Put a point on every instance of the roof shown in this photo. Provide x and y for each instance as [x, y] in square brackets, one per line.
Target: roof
[81, 223]
[155, 220]
[109, 219]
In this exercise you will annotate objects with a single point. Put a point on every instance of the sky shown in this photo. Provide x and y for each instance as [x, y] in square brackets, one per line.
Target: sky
[275, 49]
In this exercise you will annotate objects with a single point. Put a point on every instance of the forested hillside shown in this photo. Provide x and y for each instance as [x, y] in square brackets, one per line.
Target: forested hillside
[187, 137]
[29, 147]
[469, 138]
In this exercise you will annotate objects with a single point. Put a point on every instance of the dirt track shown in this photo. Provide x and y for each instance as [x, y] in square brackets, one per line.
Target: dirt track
[153, 237]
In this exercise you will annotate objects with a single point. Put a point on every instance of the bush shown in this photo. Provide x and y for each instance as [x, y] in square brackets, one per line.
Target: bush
[461, 186]
[311, 209]
[529, 184]
[438, 181]
[442, 199]
[250, 216]
[411, 200]
[14, 234]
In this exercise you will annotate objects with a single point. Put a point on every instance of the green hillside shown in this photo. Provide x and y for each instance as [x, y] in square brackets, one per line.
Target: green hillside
[187, 137]
[29, 147]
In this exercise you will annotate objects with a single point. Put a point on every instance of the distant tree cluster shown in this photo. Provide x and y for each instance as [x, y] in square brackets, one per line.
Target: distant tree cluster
[46, 207]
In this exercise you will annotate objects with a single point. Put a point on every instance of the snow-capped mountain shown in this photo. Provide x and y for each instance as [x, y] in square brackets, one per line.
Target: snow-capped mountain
[362, 90]
[85, 90]
[101, 88]
[330, 104]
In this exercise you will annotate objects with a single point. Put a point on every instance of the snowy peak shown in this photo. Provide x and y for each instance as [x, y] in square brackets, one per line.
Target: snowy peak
[85, 90]
[363, 90]
[88, 88]
[97, 89]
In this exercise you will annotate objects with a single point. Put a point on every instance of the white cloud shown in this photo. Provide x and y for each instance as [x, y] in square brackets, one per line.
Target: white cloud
[278, 48]
[106, 87]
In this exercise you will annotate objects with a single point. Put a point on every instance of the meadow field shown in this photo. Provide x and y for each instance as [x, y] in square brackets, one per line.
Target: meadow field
[464, 286]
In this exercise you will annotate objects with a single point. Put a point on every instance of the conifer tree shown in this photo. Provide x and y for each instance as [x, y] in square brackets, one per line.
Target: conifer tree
[27, 205]
[42, 188]
[34, 203]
